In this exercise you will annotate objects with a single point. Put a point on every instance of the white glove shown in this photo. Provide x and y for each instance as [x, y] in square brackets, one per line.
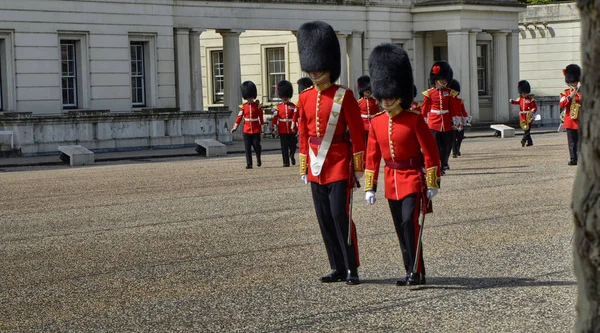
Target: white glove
[370, 197]
[234, 128]
[431, 192]
[304, 179]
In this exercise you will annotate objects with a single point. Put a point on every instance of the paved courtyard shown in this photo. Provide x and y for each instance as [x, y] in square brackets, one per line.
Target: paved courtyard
[202, 245]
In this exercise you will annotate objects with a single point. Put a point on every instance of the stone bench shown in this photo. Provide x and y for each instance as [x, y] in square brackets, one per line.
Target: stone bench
[9, 133]
[76, 155]
[505, 131]
[210, 147]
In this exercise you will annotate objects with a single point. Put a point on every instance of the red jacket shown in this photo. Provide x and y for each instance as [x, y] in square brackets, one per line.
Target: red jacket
[397, 139]
[565, 104]
[439, 106]
[285, 116]
[526, 104]
[314, 109]
[252, 114]
[368, 108]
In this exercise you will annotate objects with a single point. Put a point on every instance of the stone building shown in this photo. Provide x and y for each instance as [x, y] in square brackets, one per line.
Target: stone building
[130, 73]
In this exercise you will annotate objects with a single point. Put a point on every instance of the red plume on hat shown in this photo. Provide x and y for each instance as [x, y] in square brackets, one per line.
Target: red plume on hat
[435, 70]
[440, 70]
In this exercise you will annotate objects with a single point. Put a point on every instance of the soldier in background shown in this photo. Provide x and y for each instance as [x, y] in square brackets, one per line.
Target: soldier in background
[368, 105]
[401, 137]
[459, 122]
[252, 114]
[439, 108]
[570, 101]
[527, 108]
[285, 117]
[303, 83]
[332, 144]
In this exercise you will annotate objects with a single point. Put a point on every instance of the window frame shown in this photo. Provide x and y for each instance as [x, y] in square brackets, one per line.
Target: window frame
[265, 88]
[82, 72]
[213, 77]
[148, 41]
[485, 69]
[139, 51]
[271, 85]
[69, 75]
[8, 96]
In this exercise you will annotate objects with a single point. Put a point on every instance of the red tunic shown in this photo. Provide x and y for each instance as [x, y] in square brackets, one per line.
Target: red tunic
[526, 104]
[314, 108]
[252, 115]
[439, 106]
[565, 104]
[284, 116]
[397, 139]
[368, 108]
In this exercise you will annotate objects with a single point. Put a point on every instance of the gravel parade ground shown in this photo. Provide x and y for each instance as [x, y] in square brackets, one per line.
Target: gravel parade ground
[195, 244]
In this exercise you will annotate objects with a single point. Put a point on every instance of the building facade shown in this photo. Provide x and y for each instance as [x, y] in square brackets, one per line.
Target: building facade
[60, 58]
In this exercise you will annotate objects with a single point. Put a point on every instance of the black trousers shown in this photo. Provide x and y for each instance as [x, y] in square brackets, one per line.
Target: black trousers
[252, 141]
[444, 142]
[573, 140]
[330, 202]
[405, 213]
[458, 139]
[288, 147]
[527, 136]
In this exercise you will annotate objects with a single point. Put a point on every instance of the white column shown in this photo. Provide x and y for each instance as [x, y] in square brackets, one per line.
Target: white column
[232, 73]
[513, 71]
[500, 78]
[182, 37]
[356, 59]
[458, 57]
[473, 109]
[419, 71]
[342, 36]
[428, 56]
[197, 98]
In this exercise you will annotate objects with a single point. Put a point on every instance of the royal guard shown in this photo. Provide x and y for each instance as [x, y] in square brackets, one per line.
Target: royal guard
[332, 144]
[527, 109]
[368, 105]
[440, 107]
[459, 122]
[401, 137]
[570, 102]
[285, 118]
[304, 83]
[252, 114]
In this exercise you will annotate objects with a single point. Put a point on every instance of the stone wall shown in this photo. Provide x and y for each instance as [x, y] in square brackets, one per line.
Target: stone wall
[101, 131]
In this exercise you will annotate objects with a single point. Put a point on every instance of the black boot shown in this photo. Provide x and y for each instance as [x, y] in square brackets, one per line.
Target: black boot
[258, 161]
[334, 276]
[415, 279]
[403, 281]
[352, 278]
[293, 160]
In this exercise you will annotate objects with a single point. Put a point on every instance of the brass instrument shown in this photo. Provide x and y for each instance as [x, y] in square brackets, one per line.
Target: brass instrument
[528, 119]
[562, 115]
[574, 109]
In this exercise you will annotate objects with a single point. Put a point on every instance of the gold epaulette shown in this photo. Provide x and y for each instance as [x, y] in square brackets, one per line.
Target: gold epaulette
[360, 99]
[454, 92]
[241, 106]
[309, 88]
[426, 93]
[378, 114]
[563, 94]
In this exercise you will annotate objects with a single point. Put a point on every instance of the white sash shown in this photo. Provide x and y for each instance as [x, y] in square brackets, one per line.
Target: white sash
[316, 161]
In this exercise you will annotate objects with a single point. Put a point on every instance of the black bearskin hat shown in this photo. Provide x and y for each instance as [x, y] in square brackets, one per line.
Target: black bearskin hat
[391, 74]
[248, 90]
[524, 87]
[414, 91]
[572, 73]
[454, 85]
[319, 49]
[304, 83]
[364, 84]
[440, 70]
[285, 89]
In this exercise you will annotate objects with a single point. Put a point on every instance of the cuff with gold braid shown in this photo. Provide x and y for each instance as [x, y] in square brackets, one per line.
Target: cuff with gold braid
[303, 164]
[358, 162]
[432, 179]
[370, 184]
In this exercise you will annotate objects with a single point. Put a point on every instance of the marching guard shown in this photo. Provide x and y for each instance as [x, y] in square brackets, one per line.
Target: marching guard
[252, 114]
[285, 117]
[412, 163]
[368, 105]
[329, 156]
[460, 122]
[527, 108]
[570, 102]
[440, 107]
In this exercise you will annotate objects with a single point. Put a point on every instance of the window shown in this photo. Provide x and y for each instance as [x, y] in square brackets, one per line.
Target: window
[138, 74]
[1, 85]
[68, 73]
[8, 100]
[440, 53]
[275, 70]
[218, 81]
[482, 68]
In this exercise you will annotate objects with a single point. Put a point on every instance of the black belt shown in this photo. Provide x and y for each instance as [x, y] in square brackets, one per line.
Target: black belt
[411, 163]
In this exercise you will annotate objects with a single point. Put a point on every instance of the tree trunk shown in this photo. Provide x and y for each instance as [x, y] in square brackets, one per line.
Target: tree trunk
[586, 190]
